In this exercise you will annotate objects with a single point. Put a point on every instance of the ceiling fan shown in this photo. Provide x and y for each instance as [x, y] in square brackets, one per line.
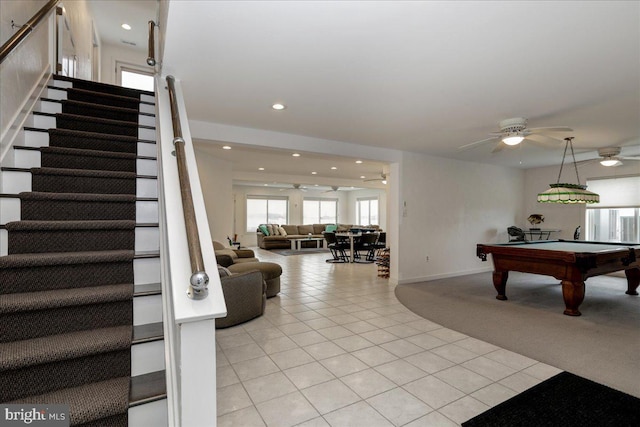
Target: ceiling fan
[382, 178]
[296, 187]
[333, 188]
[514, 131]
[609, 156]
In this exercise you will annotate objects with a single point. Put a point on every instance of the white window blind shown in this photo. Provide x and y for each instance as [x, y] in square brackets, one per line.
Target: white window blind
[616, 192]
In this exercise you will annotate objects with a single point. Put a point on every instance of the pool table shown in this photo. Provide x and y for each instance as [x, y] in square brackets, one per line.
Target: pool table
[570, 261]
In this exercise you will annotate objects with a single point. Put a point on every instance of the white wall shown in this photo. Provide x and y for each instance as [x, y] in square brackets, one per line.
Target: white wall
[215, 179]
[23, 71]
[112, 54]
[450, 207]
[559, 216]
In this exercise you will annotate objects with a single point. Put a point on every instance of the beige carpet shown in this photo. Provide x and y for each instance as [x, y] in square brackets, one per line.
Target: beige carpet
[603, 344]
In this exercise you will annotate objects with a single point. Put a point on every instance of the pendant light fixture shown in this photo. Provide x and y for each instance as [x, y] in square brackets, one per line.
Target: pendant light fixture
[568, 193]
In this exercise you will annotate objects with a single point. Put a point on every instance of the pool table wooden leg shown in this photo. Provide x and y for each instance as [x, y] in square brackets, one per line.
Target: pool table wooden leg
[633, 280]
[573, 293]
[500, 283]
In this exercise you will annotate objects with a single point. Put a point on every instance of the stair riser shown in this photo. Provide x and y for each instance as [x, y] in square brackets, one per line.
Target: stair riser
[147, 309]
[48, 122]
[66, 319]
[38, 379]
[147, 357]
[41, 139]
[14, 182]
[33, 279]
[146, 270]
[144, 211]
[32, 159]
[151, 414]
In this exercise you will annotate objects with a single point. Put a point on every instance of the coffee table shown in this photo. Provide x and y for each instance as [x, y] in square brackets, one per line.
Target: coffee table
[296, 246]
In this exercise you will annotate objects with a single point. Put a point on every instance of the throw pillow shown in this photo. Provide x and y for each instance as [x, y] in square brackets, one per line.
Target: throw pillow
[282, 231]
[270, 228]
[331, 228]
[276, 230]
[264, 229]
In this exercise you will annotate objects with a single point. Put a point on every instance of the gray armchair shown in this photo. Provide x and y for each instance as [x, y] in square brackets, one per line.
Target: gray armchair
[245, 296]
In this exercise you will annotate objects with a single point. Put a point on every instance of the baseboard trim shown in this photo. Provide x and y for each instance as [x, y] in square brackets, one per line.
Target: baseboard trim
[442, 276]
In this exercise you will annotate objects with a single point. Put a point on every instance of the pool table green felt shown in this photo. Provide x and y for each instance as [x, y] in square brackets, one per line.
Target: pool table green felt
[570, 261]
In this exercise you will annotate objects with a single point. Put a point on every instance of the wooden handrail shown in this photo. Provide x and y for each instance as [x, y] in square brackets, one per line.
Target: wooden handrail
[26, 29]
[151, 59]
[199, 278]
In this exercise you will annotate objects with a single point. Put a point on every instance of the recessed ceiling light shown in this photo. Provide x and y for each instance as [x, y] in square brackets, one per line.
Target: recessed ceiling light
[315, 185]
[296, 154]
[278, 106]
[260, 169]
[333, 168]
[314, 173]
[362, 177]
[226, 147]
[126, 26]
[358, 161]
[266, 185]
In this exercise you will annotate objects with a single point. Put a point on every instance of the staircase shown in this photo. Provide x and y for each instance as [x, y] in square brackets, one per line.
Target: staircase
[80, 299]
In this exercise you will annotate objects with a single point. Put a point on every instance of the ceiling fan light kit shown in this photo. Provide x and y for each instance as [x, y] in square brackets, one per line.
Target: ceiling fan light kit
[568, 193]
[513, 138]
[610, 161]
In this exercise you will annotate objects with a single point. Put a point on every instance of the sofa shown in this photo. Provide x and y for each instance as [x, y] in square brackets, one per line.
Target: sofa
[274, 236]
[236, 255]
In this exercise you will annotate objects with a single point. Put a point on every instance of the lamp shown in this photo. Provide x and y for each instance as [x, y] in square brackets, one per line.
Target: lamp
[513, 138]
[568, 193]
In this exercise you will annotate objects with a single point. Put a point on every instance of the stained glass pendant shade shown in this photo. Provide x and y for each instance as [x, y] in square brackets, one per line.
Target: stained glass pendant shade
[568, 193]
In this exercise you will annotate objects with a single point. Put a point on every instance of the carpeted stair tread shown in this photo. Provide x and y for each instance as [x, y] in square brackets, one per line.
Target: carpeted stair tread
[76, 206]
[76, 94]
[64, 258]
[70, 225]
[36, 351]
[85, 152]
[92, 140]
[29, 301]
[80, 197]
[94, 124]
[74, 158]
[103, 87]
[90, 402]
[100, 111]
[83, 173]
[54, 180]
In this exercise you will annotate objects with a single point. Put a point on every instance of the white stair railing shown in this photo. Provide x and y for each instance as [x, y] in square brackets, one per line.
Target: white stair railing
[189, 323]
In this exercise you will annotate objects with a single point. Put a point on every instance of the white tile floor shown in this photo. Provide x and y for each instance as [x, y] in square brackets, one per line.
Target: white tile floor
[336, 348]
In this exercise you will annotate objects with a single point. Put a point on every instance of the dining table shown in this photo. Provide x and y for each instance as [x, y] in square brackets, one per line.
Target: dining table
[353, 237]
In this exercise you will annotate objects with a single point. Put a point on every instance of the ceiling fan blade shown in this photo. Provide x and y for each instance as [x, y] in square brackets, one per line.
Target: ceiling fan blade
[499, 146]
[550, 129]
[473, 144]
[584, 162]
[544, 140]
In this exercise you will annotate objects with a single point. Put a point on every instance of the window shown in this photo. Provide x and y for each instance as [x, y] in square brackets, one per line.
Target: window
[367, 210]
[266, 210]
[320, 211]
[134, 77]
[617, 217]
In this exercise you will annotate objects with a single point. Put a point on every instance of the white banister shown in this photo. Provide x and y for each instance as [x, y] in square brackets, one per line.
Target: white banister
[189, 324]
